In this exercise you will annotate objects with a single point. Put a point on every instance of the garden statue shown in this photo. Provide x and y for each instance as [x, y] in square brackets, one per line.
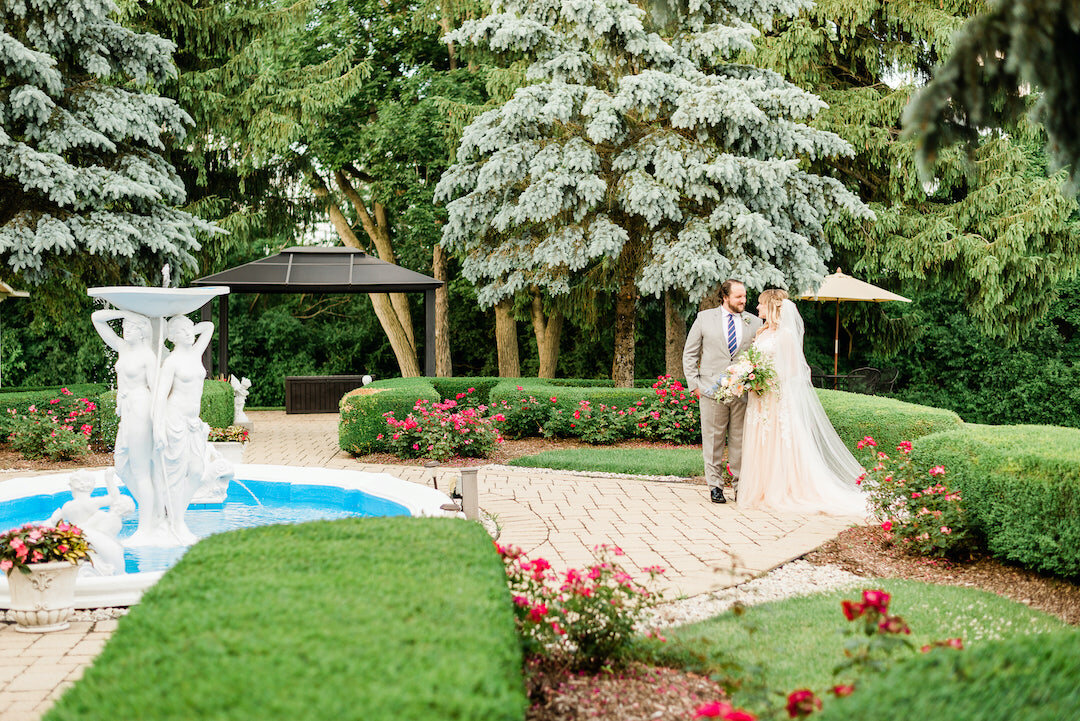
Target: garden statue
[240, 393]
[217, 472]
[100, 519]
[136, 373]
[179, 433]
[162, 454]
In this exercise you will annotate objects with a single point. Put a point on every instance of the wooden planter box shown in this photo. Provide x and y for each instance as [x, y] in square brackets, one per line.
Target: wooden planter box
[317, 394]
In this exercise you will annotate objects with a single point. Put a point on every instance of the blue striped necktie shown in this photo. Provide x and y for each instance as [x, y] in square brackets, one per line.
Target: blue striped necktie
[732, 341]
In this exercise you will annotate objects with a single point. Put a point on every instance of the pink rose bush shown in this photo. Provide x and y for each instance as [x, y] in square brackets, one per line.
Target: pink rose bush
[581, 617]
[29, 544]
[668, 412]
[58, 431]
[916, 509]
[443, 430]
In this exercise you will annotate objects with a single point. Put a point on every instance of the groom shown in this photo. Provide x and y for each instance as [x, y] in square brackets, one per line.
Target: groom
[716, 338]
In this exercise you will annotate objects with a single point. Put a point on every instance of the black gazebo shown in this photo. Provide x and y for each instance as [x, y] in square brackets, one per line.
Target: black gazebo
[320, 270]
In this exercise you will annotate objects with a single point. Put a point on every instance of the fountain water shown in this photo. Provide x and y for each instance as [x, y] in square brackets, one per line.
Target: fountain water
[164, 462]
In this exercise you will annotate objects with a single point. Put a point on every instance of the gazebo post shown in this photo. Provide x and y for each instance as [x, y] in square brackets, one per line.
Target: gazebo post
[429, 333]
[207, 355]
[223, 336]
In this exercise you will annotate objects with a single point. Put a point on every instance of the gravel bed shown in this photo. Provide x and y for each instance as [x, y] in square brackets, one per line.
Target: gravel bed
[797, 578]
[89, 614]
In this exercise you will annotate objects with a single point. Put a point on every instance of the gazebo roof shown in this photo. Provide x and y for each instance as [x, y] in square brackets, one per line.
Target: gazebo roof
[319, 269]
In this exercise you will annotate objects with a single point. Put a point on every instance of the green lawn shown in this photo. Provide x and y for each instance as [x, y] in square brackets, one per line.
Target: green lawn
[683, 462]
[797, 642]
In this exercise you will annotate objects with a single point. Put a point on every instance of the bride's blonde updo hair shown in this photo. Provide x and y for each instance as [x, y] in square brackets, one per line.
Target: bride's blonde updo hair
[771, 301]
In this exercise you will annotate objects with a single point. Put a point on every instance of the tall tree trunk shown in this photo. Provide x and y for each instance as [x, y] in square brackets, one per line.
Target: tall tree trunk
[506, 340]
[403, 346]
[674, 335]
[443, 368]
[622, 368]
[377, 227]
[548, 331]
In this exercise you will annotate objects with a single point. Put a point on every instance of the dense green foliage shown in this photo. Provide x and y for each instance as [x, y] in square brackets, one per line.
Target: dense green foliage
[1029, 678]
[372, 641]
[795, 643]
[1021, 487]
[952, 365]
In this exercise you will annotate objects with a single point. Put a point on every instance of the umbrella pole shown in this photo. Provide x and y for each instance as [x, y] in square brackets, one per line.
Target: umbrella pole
[836, 346]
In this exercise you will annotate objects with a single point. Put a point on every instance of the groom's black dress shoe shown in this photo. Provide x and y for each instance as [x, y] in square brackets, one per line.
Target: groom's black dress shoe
[717, 495]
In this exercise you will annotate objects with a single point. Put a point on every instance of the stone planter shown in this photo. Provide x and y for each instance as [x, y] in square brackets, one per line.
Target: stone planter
[42, 600]
[231, 451]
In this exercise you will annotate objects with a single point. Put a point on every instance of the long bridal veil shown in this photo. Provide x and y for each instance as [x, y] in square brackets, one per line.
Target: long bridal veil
[801, 403]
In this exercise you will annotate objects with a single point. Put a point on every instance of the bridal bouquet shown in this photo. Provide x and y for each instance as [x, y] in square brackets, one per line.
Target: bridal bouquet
[752, 371]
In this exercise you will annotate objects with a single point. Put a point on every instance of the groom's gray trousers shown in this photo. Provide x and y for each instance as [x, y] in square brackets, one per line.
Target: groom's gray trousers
[722, 424]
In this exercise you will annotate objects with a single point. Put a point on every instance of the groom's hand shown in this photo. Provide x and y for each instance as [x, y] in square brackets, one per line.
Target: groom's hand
[697, 394]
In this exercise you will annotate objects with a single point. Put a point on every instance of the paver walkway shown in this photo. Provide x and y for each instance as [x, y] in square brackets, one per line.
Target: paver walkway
[557, 515]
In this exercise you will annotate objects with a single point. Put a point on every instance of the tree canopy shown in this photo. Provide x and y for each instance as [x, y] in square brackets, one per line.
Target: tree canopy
[85, 190]
[639, 158]
[996, 234]
[1019, 56]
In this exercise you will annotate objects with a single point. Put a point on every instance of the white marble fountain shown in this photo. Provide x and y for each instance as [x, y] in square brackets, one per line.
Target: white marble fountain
[162, 456]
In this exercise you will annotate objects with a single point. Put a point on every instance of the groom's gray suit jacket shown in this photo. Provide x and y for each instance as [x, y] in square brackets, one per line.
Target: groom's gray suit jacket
[705, 358]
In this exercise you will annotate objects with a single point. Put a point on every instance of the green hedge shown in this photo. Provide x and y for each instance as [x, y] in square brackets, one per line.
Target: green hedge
[1031, 678]
[361, 419]
[217, 404]
[1021, 485]
[353, 619]
[22, 398]
[854, 415]
[888, 421]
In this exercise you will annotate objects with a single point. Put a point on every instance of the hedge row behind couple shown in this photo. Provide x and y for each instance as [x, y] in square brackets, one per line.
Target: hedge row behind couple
[783, 453]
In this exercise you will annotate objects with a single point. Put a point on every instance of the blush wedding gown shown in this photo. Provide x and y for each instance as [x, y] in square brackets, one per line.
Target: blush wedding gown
[793, 459]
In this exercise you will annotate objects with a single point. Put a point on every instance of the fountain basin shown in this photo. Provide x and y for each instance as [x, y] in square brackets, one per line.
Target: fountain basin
[158, 302]
[287, 494]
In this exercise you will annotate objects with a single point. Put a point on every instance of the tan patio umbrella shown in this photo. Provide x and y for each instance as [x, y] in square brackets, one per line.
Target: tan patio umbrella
[840, 287]
[6, 291]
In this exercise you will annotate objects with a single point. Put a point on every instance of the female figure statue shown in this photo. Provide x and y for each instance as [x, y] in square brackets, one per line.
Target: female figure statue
[179, 433]
[136, 370]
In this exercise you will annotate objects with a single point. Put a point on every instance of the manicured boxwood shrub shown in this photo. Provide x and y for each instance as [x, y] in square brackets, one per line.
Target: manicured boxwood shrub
[888, 421]
[217, 404]
[353, 619]
[481, 385]
[361, 420]
[1030, 678]
[1021, 485]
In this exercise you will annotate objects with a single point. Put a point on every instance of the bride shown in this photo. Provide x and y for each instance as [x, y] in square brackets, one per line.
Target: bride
[793, 460]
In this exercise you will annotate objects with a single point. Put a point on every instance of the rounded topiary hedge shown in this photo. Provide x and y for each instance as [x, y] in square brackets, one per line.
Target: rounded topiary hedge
[1030, 678]
[217, 404]
[1021, 485]
[362, 411]
[886, 420]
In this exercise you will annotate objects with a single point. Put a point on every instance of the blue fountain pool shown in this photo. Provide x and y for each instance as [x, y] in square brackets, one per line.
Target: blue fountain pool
[249, 503]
